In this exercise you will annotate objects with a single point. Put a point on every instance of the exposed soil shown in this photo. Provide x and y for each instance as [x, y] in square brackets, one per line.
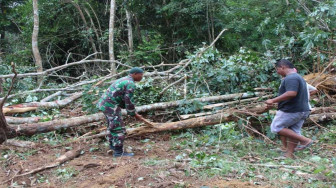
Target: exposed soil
[152, 166]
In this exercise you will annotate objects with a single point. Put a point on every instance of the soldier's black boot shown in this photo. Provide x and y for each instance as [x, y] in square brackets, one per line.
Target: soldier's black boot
[119, 152]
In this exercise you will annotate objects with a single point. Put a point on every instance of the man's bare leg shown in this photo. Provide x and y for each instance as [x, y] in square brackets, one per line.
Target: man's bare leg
[291, 145]
[284, 143]
[293, 136]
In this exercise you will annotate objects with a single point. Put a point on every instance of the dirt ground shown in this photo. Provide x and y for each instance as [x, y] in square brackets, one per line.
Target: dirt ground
[152, 166]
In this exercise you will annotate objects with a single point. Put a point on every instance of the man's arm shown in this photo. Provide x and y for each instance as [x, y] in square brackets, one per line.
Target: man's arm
[129, 103]
[292, 87]
[286, 96]
[312, 90]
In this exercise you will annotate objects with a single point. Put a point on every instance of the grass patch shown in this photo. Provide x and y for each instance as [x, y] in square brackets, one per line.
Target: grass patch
[5, 154]
[51, 138]
[64, 174]
[155, 162]
[224, 150]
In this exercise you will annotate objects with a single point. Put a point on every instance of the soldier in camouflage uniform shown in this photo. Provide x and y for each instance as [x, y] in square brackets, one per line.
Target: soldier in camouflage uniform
[120, 95]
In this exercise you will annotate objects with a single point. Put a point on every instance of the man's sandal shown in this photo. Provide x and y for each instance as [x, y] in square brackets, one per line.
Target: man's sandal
[302, 147]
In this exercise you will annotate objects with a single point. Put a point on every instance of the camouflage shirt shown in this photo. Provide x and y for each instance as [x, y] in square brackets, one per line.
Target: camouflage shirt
[119, 94]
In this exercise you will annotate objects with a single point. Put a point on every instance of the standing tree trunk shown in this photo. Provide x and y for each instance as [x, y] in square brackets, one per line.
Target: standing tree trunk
[111, 36]
[129, 30]
[5, 130]
[86, 26]
[138, 29]
[212, 23]
[36, 53]
[95, 31]
[208, 22]
[2, 27]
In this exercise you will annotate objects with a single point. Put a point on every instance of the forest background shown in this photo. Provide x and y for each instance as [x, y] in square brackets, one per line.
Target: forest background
[72, 50]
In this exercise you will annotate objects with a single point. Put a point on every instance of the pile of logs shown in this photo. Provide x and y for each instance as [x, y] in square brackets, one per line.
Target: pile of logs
[31, 126]
[324, 79]
[224, 108]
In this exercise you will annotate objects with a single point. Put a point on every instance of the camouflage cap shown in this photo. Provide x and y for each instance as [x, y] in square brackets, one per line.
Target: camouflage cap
[136, 70]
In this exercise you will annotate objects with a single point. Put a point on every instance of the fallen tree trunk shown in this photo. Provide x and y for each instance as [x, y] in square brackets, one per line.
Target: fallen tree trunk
[257, 109]
[35, 128]
[190, 123]
[160, 127]
[26, 107]
[197, 122]
[187, 116]
[43, 127]
[20, 143]
[31, 129]
[249, 100]
[165, 105]
[320, 110]
[20, 108]
[320, 118]
[47, 99]
[22, 120]
[229, 115]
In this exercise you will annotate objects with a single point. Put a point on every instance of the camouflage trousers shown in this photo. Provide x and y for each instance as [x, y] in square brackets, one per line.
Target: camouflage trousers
[115, 126]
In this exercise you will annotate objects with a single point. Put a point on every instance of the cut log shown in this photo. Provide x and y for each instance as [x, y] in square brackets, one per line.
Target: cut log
[197, 122]
[190, 123]
[160, 127]
[20, 143]
[22, 120]
[12, 109]
[47, 99]
[229, 115]
[259, 109]
[320, 118]
[249, 100]
[188, 116]
[165, 105]
[20, 108]
[43, 127]
[31, 129]
[35, 128]
[263, 89]
[320, 110]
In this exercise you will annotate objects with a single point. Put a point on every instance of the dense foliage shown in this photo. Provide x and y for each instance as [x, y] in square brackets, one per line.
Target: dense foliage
[259, 32]
[171, 31]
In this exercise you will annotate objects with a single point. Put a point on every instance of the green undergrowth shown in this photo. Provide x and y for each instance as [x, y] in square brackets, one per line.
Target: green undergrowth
[225, 150]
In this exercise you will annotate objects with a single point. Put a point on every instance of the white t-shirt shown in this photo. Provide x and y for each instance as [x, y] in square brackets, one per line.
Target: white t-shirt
[310, 88]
